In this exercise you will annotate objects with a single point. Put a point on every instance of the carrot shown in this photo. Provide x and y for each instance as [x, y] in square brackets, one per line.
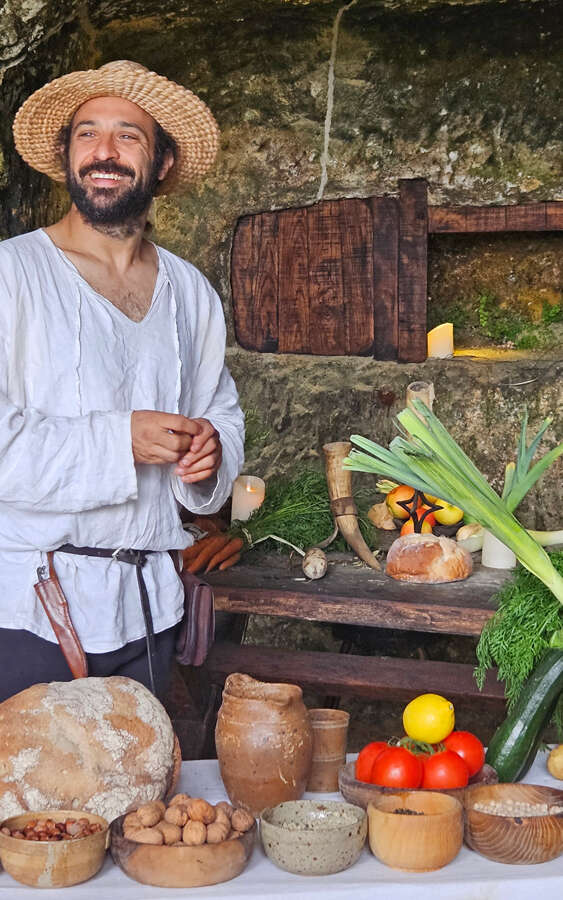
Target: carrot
[229, 562]
[235, 545]
[207, 552]
[191, 552]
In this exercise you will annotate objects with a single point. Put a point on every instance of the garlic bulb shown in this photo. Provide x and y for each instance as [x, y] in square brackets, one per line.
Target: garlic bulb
[314, 563]
[470, 536]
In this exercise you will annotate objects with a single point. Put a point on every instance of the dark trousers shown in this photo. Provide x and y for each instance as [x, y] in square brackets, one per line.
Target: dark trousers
[28, 659]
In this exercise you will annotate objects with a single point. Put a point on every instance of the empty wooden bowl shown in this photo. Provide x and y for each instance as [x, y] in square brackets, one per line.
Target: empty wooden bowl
[361, 792]
[417, 831]
[310, 837]
[181, 866]
[519, 824]
[53, 864]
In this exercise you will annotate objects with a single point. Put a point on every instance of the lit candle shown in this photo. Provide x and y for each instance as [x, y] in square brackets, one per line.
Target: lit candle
[248, 495]
[441, 341]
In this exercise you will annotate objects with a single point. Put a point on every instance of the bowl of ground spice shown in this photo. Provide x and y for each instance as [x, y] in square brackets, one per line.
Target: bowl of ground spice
[313, 837]
[520, 824]
[53, 848]
[416, 831]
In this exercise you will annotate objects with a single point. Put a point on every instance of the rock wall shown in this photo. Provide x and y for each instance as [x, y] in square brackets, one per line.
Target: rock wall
[317, 98]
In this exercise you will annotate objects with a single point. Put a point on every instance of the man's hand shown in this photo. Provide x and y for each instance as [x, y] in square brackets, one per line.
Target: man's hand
[161, 438]
[204, 455]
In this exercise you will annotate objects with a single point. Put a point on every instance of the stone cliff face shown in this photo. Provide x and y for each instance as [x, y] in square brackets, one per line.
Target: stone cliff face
[317, 98]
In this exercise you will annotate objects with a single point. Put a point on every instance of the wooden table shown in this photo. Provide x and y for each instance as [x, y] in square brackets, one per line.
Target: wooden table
[353, 595]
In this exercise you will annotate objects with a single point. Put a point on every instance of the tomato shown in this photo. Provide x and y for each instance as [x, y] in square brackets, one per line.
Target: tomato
[429, 718]
[397, 767]
[469, 747]
[444, 770]
[366, 759]
[426, 527]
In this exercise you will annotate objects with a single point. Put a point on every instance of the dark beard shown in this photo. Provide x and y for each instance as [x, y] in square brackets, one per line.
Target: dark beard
[121, 216]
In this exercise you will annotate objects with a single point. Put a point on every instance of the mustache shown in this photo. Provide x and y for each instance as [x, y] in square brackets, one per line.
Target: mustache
[107, 167]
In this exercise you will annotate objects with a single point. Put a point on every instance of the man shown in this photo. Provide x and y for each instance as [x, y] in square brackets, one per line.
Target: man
[115, 403]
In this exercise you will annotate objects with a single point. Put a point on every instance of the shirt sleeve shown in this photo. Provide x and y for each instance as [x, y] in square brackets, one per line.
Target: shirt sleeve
[213, 396]
[64, 465]
[51, 463]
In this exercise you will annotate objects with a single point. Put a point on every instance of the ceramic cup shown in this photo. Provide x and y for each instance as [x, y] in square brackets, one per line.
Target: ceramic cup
[330, 734]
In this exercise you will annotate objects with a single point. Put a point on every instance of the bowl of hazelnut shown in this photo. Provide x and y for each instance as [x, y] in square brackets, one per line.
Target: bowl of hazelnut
[53, 848]
[185, 843]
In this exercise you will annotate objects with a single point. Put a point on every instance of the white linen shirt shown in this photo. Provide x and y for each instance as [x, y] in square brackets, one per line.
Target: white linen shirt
[72, 369]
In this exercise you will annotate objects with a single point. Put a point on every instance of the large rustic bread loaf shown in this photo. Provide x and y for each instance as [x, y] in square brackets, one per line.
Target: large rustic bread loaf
[428, 558]
[105, 745]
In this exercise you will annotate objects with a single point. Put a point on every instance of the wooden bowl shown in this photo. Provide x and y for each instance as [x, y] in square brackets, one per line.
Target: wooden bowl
[426, 838]
[53, 864]
[180, 866]
[361, 792]
[312, 837]
[508, 834]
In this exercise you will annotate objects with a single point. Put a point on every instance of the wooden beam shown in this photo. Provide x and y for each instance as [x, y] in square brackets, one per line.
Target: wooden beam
[413, 265]
[484, 219]
[356, 230]
[526, 217]
[255, 282]
[373, 677]
[293, 293]
[385, 218]
[554, 216]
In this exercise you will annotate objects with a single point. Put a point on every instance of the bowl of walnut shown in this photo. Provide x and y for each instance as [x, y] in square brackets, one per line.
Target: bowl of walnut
[187, 843]
[53, 848]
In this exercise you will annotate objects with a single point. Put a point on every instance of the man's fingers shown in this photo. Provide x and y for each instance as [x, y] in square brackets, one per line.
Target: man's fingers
[197, 476]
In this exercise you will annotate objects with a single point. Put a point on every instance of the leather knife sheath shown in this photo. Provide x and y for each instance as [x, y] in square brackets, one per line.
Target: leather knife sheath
[54, 603]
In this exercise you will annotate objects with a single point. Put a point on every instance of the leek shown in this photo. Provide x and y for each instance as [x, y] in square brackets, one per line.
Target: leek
[428, 458]
[519, 478]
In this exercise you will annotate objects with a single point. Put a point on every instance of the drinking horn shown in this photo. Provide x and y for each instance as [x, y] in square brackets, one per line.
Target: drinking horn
[342, 504]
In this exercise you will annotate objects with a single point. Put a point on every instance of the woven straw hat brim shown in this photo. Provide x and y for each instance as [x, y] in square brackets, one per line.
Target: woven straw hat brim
[180, 112]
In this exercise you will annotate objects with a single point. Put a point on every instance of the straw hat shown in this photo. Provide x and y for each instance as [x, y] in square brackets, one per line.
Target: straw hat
[183, 115]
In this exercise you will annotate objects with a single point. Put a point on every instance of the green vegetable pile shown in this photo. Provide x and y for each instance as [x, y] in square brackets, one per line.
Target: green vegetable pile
[528, 621]
[298, 510]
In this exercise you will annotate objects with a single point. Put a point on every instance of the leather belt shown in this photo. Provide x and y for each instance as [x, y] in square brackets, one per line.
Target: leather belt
[54, 602]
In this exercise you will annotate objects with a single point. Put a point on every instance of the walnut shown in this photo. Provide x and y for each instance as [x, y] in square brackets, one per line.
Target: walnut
[201, 811]
[131, 822]
[226, 807]
[172, 834]
[234, 835]
[221, 816]
[181, 799]
[241, 820]
[194, 833]
[217, 832]
[176, 815]
[150, 813]
[149, 836]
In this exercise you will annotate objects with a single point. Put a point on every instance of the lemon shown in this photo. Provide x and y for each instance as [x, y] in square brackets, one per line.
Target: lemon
[429, 718]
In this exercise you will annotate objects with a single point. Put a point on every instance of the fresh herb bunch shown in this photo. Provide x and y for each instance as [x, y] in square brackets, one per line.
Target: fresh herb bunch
[298, 510]
[528, 618]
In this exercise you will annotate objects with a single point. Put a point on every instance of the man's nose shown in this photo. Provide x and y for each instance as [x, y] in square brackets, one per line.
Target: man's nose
[106, 148]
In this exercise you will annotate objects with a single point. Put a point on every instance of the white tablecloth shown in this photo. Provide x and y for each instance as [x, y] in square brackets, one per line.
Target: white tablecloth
[469, 877]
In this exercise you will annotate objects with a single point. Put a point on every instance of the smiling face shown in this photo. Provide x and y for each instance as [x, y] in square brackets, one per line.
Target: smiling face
[112, 169]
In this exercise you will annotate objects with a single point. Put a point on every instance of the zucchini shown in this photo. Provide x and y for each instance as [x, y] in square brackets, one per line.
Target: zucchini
[515, 743]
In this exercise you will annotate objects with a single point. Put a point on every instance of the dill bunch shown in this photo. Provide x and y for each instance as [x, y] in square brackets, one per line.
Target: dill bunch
[518, 634]
[298, 510]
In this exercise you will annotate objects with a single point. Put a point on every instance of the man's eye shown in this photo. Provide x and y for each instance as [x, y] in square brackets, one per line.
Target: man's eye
[129, 137]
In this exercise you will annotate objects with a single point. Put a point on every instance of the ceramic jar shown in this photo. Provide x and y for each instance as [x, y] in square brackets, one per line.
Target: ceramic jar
[264, 742]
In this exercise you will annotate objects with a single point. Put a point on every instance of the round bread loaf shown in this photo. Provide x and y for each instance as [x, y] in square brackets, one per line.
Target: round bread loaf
[428, 558]
[105, 745]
